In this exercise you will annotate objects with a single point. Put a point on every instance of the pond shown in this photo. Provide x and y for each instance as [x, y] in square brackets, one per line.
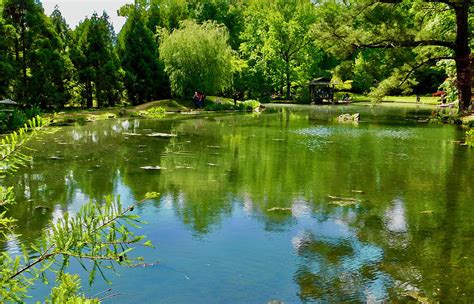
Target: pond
[250, 207]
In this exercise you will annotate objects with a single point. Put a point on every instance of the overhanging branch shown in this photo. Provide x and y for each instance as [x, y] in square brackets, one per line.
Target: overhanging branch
[407, 43]
[414, 68]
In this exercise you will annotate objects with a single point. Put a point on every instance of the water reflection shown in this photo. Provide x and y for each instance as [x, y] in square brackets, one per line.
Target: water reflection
[339, 269]
[409, 230]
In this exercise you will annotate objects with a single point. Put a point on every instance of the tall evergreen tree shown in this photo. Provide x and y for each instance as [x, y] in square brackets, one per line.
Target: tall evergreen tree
[144, 76]
[7, 63]
[41, 65]
[96, 61]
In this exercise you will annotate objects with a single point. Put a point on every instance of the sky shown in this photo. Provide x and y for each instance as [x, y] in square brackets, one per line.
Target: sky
[76, 10]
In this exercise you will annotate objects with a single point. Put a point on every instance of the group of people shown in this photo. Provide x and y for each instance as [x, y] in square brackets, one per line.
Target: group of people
[198, 99]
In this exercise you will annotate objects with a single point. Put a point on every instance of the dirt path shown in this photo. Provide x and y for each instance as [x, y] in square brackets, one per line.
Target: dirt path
[151, 104]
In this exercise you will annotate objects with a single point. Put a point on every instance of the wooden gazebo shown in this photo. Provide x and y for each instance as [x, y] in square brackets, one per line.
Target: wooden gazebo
[7, 105]
[321, 90]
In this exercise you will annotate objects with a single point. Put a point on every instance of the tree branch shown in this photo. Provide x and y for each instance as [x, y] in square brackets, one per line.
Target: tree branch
[45, 255]
[407, 43]
[422, 64]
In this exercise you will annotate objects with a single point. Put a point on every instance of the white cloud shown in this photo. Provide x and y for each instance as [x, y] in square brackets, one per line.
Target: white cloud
[77, 10]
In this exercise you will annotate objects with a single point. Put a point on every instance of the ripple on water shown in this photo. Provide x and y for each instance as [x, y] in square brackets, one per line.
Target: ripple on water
[317, 138]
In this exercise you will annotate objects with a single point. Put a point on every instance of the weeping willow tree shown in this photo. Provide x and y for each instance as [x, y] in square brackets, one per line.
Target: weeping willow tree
[197, 57]
[98, 234]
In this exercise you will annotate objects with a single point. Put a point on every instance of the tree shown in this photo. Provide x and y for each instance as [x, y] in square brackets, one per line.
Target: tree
[144, 76]
[96, 61]
[228, 13]
[434, 30]
[198, 58]
[7, 62]
[41, 66]
[167, 14]
[276, 38]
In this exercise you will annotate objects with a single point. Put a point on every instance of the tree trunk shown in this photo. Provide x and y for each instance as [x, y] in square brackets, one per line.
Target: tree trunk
[23, 50]
[462, 54]
[89, 94]
[288, 83]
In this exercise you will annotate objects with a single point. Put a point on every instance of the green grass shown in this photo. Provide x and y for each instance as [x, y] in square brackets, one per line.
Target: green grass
[412, 99]
[426, 100]
[170, 105]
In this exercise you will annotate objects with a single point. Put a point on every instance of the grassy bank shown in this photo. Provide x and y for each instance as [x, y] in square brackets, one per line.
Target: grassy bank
[151, 109]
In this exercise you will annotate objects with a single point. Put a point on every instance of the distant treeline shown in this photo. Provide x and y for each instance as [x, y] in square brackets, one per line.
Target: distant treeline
[280, 45]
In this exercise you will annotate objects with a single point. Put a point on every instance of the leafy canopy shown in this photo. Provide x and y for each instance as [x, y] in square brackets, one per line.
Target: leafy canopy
[198, 57]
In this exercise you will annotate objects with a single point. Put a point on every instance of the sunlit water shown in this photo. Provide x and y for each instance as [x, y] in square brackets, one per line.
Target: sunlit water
[245, 213]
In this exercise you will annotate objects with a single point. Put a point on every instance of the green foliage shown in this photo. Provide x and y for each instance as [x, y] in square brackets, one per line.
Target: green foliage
[41, 67]
[96, 62]
[67, 291]
[155, 112]
[470, 138]
[138, 52]
[278, 46]
[223, 12]
[249, 105]
[303, 95]
[388, 42]
[99, 233]
[197, 58]
[17, 119]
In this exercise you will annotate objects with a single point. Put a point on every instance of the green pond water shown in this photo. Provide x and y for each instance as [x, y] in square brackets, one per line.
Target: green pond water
[245, 213]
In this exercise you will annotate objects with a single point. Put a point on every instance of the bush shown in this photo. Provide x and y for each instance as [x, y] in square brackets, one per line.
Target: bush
[156, 110]
[33, 112]
[17, 119]
[470, 138]
[4, 118]
[303, 95]
[249, 105]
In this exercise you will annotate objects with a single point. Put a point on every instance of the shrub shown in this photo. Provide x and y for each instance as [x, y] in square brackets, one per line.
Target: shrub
[155, 112]
[470, 138]
[33, 112]
[303, 95]
[17, 119]
[249, 105]
[4, 117]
